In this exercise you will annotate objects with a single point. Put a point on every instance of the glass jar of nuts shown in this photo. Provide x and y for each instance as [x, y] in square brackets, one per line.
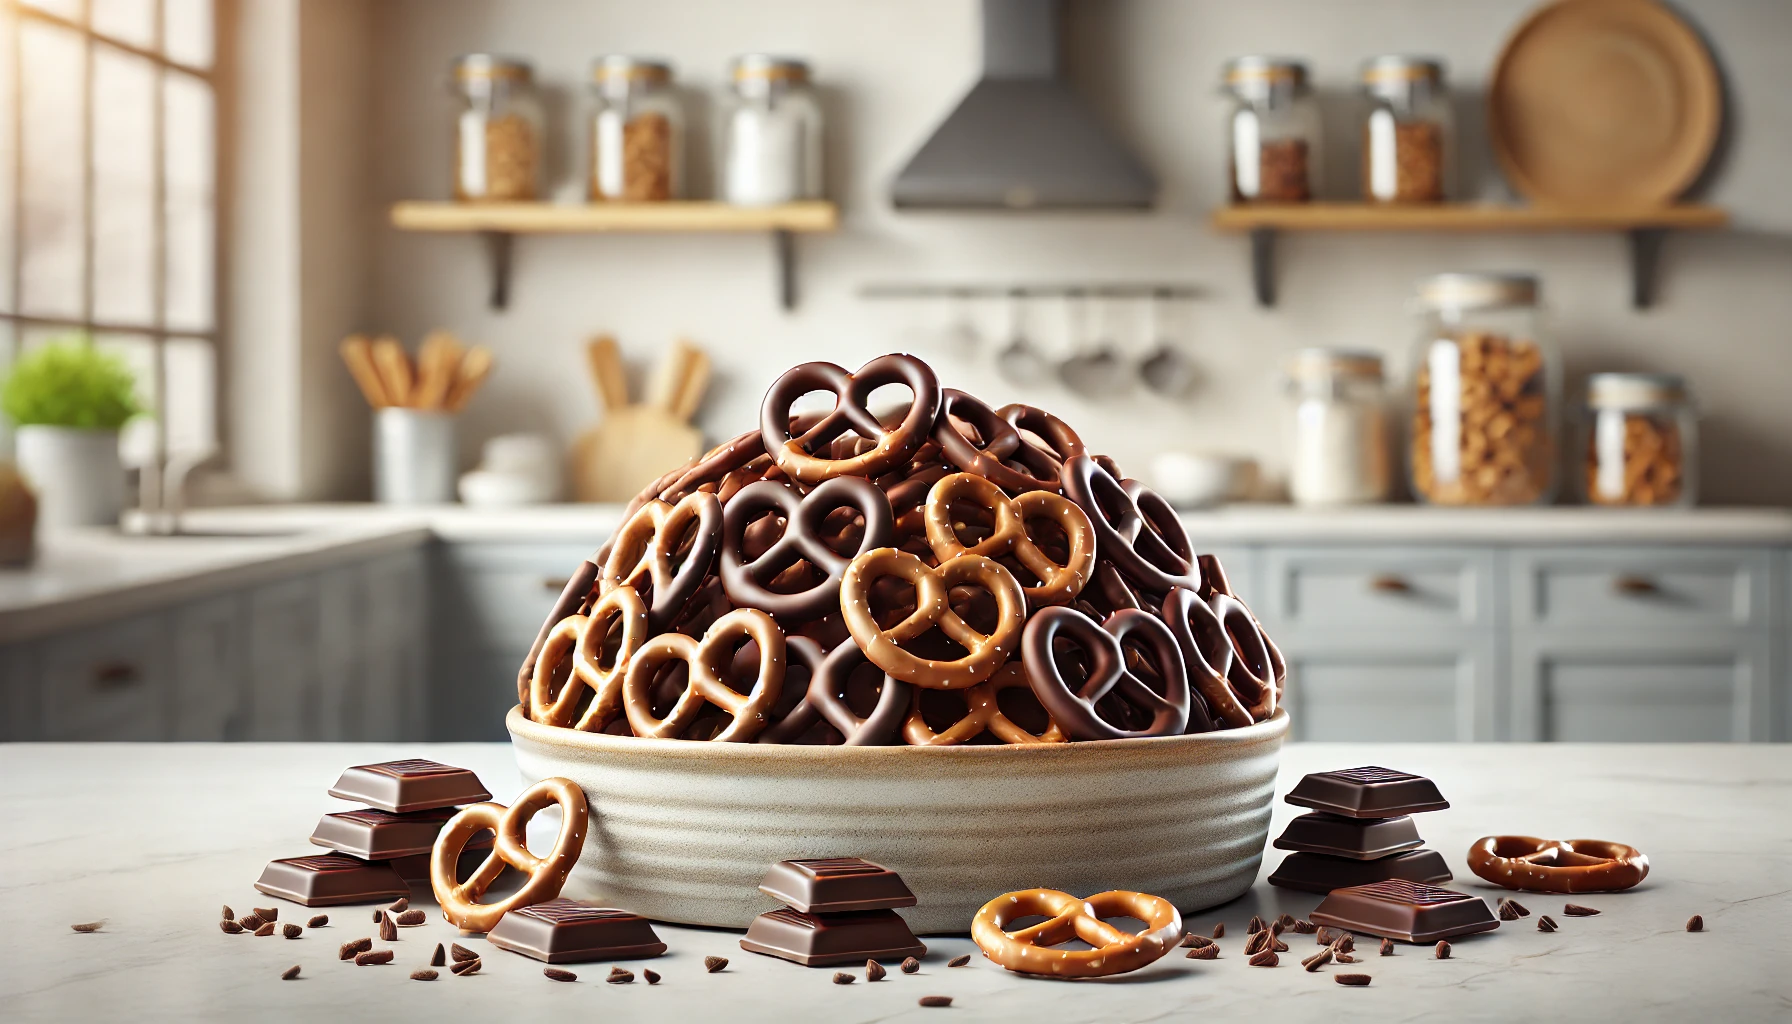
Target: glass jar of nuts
[637, 132]
[1641, 440]
[498, 134]
[1407, 136]
[1273, 131]
[1485, 391]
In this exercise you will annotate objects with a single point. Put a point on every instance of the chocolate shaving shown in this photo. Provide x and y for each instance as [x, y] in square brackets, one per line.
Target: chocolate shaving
[1267, 958]
[1219, 929]
[377, 915]
[388, 930]
[440, 957]
[1517, 907]
[462, 954]
[1285, 920]
[373, 956]
[1254, 925]
[267, 913]
[874, 971]
[556, 974]
[1318, 960]
[267, 928]
[712, 964]
[1507, 913]
[230, 927]
[249, 923]
[911, 965]
[842, 978]
[290, 973]
[411, 918]
[959, 961]
[1209, 952]
[1443, 950]
[1257, 943]
[291, 931]
[652, 976]
[465, 967]
[1576, 910]
[1353, 980]
[1695, 923]
[1346, 958]
[229, 914]
[618, 976]
[1327, 936]
[936, 1000]
[1275, 942]
[1196, 941]
[1387, 947]
[399, 905]
[1546, 923]
[318, 922]
[348, 949]
[1304, 927]
[424, 975]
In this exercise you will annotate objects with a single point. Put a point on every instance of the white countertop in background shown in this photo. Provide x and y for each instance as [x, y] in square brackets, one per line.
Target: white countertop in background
[154, 838]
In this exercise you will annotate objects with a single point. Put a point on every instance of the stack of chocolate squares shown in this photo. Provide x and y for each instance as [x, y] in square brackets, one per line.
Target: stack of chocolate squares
[382, 849]
[1359, 832]
[839, 910]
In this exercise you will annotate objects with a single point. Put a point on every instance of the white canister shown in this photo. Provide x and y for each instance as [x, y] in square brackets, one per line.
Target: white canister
[77, 474]
[1338, 447]
[414, 459]
[771, 133]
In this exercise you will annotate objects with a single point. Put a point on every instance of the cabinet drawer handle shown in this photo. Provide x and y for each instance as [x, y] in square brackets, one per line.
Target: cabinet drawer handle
[1635, 586]
[113, 675]
[555, 583]
[1388, 583]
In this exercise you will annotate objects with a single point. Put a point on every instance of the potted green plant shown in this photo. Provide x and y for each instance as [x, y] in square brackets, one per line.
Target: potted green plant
[68, 400]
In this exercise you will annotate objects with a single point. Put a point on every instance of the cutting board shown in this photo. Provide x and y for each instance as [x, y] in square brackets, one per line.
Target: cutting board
[637, 442]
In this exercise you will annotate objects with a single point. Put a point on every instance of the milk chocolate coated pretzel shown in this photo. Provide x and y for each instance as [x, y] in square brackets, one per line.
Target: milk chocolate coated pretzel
[986, 653]
[1058, 583]
[745, 580]
[708, 661]
[982, 714]
[1062, 441]
[460, 900]
[571, 600]
[1557, 865]
[1115, 952]
[584, 638]
[646, 546]
[826, 699]
[1134, 528]
[998, 453]
[1074, 709]
[795, 454]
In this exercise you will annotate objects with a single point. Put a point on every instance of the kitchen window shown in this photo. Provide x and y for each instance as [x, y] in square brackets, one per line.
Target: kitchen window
[108, 197]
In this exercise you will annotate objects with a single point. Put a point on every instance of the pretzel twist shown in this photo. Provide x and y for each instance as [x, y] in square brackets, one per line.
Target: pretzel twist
[998, 452]
[982, 714]
[460, 900]
[1028, 951]
[890, 446]
[1226, 654]
[1135, 528]
[708, 661]
[825, 699]
[1058, 583]
[749, 580]
[584, 637]
[985, 652]
[1075, 709]
[1557, 865]
[645, 553]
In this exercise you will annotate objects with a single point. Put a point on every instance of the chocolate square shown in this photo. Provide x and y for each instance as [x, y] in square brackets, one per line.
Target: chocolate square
[820, 940]
[1405, 910]
[1313, 872]
[373, 834]
[835, 885]
[1350, 838]
[403, 787]
[565, 931]
[330, 880]
[1367, 793]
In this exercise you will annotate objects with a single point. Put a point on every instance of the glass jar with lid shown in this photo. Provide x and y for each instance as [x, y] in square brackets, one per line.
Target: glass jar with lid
[1409, 133]
[771, 133]
[1338, 449]
[637, 132]
[1272, 129]
[1641, 440]
[498, 132]
[1485, 386]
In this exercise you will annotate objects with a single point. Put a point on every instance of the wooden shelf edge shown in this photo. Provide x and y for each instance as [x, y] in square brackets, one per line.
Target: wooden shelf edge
[556, 218]
[1463, 217]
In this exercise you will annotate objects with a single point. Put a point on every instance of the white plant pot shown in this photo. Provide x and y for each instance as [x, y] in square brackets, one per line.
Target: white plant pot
[77, 474]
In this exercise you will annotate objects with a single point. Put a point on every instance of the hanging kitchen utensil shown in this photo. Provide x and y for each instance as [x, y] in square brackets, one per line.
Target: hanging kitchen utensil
[1094, 368]
[1019, 362]
[1166, 369]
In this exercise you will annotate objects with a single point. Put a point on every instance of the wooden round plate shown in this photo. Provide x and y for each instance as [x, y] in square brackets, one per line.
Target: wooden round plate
[1604, 101]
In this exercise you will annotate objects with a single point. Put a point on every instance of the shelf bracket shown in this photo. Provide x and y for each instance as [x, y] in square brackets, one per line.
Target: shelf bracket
[784, 251]
[497, 247]
[1645, 264]
[1263, 265]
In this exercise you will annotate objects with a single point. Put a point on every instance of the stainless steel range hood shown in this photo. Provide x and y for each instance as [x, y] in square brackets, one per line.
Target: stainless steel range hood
[1022, 138]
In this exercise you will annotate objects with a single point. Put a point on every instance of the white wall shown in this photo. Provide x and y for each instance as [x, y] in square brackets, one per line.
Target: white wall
[892, 68]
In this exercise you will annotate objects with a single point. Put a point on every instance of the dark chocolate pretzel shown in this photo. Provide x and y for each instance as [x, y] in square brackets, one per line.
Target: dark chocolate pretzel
[1057, 435]
[1207, 655]
[1074, 710]
[826, 699]
[1214, 581]
[746, 579]
[646, 547]
[1252, 674]
[795, 454]
[998, 453]
[1135, 529]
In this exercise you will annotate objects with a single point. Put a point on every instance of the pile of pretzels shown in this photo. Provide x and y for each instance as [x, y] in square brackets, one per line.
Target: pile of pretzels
[942, 574]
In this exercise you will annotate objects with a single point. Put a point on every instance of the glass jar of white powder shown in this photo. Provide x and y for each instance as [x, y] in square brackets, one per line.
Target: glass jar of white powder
[771, 133]
[1339, 451]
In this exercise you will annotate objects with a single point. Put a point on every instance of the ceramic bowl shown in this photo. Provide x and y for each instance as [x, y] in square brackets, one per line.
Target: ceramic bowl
[683, 831]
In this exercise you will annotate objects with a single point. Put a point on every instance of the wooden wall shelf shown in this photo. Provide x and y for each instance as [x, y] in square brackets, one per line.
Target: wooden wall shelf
[499, 223]
[1644, 226]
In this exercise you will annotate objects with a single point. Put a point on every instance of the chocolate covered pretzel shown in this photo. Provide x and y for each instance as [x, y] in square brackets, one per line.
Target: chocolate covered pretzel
[746, 579]
[796, 454]
[1135, 529]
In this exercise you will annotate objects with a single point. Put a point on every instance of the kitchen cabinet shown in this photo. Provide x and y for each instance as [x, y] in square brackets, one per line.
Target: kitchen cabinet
[112, 681]
[1380, 688]
[211, 700]
[1612, 686]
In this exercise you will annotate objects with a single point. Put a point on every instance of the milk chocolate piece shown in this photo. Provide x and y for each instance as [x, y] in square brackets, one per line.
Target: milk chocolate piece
[331, 879]
[373, 834]
[822, 940]
[1313, 872]
[1351, 838]
[1406, 910]
[565, 931]
[403, 787]
[1367, 793]
[835, 885]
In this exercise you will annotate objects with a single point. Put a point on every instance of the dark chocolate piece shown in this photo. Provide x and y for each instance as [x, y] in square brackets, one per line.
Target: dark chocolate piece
[1352, 838]
[823, 940]
[1367, 793]
[415, 868]
[373, 834]
[1313, 872]
[835, 885]
[565, 931]
[1406, 910]
[329, 880]
[403, 787]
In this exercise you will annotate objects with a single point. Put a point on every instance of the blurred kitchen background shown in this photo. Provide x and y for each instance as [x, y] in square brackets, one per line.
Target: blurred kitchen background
[549, 233]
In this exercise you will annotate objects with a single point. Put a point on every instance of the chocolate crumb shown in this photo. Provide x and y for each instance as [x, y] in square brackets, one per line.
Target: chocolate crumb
[936, 1000]
[911, 965]
[388, 930]
[1196, 941]
[349, 949]
[411, 918]
[1576, 910]
[1344, 943]
[1326, 936]
[874, 971]
[249, 923]
[556, 974]
[1695, 923]
[377, 915]
[229, 914]
[1219, 929]
[1523, 911]
[291, 931]
[1285, 920]
[440, 957]
[230, 927]
[1304, 927]
[618, 976]
[712, 964]
[1208, 952]
[1267, 958]
[1346, 958]
[1318, 960]
[424, 975]
[1276, 943]
[318, 922]
[959, 961]
[652, 976]
[1277, 927]
[1353, 980]
[400, 905]
[1254, 925]
[1507, 912]
[373, 956]
[1257, 943]
[268, 913]
[290, 973]
[466, 967]
[267, 928]
[1546, 923]
[1387, 947]
[1443, 950]
[842, 978]
[461, 953]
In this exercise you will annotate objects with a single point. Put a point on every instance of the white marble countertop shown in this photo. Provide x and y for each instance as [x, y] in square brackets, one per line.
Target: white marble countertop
[154, 838]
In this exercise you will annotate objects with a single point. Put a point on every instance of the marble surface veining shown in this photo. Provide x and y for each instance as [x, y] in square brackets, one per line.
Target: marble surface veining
[154, 838]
